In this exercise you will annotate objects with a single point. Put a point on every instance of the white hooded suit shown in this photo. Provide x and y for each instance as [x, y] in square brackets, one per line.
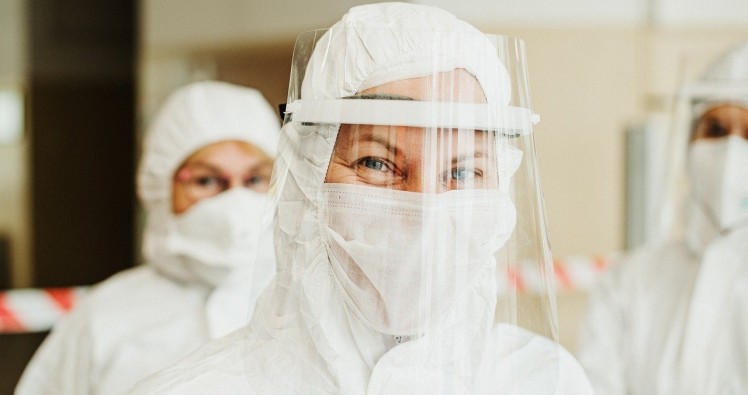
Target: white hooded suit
[145, 318]
[306, 336]
[671, 318]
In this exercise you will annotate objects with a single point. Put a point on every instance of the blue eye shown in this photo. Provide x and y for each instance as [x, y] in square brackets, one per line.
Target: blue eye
[376, 171]
[374, 164]
[462, 174]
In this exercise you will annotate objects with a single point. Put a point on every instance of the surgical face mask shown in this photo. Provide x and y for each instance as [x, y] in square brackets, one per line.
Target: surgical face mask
[213, 239]
[718, 170]
[402, 258]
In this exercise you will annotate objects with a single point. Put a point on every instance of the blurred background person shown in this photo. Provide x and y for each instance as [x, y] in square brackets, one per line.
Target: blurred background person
[203, 180]
[672, 318]
[406, 191]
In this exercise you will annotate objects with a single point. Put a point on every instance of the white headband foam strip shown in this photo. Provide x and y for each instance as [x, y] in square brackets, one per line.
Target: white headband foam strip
[507, 119]
[715, 89]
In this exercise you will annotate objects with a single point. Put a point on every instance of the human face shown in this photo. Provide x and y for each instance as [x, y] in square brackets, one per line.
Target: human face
[722, 121]
[218, 167]
[418, 159]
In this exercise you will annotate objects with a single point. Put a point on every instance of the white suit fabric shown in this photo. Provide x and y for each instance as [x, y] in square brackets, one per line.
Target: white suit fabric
[307, 337]
[145, 318]
[671, 318]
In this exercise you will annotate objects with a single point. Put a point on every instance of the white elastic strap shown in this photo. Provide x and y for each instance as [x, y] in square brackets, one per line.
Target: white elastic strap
[508, 120]
[718, 89]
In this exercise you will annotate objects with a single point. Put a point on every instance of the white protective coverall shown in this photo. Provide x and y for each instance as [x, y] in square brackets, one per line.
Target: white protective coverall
[672, 318]
[191, 289]
[309, 334]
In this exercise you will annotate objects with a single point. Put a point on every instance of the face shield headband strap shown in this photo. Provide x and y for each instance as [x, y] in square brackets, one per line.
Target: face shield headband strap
[705, 95]
[511, 121]
[715, 89]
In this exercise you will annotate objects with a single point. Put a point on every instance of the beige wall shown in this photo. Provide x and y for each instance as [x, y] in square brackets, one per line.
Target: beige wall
[584, 86]
[14, 185]
[587, 84]
[14, 205]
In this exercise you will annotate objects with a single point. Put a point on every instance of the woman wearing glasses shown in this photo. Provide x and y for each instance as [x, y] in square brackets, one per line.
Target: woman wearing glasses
[202, 180]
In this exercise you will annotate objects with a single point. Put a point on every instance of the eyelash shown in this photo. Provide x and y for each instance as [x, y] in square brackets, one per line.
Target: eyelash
[477, 173]
[255, 179]
[386, 165]
[716, 129]
[204, 180]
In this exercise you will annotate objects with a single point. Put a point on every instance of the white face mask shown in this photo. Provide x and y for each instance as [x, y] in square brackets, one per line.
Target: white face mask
[718, 169]
[402, 258]
[211, 240]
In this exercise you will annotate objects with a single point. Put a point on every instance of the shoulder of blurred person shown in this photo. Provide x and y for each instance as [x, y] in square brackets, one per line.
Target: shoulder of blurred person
[645, 264]
[630, 313]
[125, 328]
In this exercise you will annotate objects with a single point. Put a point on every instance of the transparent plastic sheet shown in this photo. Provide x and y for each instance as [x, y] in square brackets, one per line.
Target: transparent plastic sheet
[703, 86]
[408, 215]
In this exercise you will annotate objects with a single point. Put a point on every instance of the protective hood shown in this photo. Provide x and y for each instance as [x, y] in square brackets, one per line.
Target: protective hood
[312, 318]
[724, 82]
[193, 117]
[713, 351]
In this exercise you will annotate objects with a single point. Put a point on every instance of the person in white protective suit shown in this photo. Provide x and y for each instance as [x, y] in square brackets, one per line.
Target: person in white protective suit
[203, 180]
[672, 318]
[405, 140]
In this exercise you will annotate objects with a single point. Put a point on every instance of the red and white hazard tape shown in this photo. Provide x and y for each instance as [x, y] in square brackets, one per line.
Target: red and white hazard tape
[570, 273]
[35, 310]
[580, 272]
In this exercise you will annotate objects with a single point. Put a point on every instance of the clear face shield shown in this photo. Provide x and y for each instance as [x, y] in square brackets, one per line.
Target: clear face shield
[709, 154]
[407, 178]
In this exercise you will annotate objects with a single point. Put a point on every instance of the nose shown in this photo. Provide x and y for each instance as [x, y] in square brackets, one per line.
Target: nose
[428, 182]
[236, 181]
[740, 131]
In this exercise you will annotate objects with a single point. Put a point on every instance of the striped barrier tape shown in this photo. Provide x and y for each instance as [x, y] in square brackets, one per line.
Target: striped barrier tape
[37, 310]
[570, 273]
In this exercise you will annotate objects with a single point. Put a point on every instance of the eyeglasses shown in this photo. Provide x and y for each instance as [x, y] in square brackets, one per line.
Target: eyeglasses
[202, 180]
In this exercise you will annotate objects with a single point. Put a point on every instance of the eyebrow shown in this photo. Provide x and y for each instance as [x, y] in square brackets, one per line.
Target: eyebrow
[261, 165]
[394, 150]
[476, 155]
[205, 165]
[382, 141]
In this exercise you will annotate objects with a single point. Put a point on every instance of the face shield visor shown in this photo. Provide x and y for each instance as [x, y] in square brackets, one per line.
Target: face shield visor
[708, 195]
[417, 171]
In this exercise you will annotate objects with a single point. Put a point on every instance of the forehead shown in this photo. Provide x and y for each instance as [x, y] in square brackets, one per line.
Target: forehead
[412, 140]
[727, 112]
[452, 86]
[228, 153]
[353, 130]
